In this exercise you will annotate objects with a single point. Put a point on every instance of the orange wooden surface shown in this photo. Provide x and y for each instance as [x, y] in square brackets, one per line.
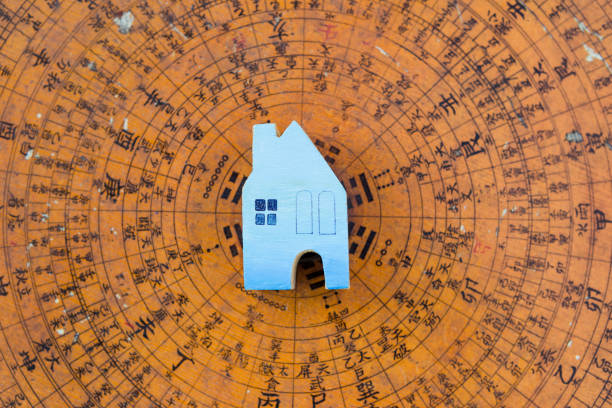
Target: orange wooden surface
[473, 139]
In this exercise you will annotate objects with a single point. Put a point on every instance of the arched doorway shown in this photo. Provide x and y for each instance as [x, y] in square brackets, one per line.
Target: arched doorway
[308, 271]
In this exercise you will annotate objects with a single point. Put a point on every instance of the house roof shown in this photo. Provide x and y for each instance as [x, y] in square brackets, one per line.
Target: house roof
[292, 155]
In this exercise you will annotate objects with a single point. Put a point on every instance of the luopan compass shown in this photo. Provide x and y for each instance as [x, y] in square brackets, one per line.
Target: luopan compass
[471, 138]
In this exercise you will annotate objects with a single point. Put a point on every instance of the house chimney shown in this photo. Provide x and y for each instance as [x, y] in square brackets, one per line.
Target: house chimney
[264, 135]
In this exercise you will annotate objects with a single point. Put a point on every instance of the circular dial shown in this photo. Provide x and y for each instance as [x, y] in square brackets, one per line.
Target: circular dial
[472, 139]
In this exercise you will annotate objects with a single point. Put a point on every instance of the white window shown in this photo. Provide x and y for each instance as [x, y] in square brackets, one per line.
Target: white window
[327, 213]
[303, 212]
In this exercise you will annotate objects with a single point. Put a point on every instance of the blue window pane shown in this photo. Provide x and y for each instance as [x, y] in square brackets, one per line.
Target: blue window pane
[271, 219]
[260, 219]
[272, 204]
[260, 204]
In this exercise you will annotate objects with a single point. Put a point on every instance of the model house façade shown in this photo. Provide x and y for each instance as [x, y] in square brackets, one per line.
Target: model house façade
[292, 203]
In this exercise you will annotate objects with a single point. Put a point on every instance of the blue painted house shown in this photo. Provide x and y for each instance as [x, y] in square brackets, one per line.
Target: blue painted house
[292, 203]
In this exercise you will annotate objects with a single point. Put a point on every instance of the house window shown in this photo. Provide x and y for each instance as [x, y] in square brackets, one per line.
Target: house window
[261, 217]
[303, 212]
[272, 219]
[327, 213]
[260, 205]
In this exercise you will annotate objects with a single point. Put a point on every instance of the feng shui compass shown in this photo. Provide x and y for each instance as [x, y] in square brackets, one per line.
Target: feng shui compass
[472, 139]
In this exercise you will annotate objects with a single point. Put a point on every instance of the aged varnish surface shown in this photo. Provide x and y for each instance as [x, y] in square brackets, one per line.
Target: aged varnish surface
[473, 140]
